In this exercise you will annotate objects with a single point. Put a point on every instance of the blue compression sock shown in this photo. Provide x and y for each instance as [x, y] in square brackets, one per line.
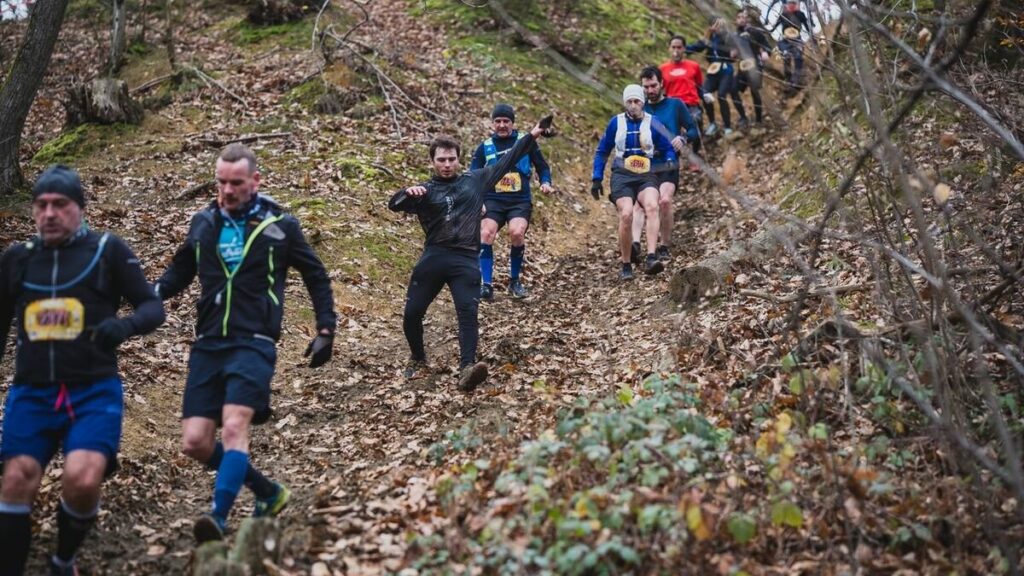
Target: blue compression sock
[230, 477]
[516, 259]
[260, 485]
[486, 263]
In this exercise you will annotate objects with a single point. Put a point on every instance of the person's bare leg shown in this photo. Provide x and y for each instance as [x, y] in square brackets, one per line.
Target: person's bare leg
[666, 211]
[625, 208]
[649, 201]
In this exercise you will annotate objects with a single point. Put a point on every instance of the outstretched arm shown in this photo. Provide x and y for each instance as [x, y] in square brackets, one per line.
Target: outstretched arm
[148, 309]
[407, 199]
[491, 175]
[303, 258]
[182, 270]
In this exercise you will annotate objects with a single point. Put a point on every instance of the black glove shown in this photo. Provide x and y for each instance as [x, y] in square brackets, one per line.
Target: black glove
[109, 333]
[596, 190]
[321, 348]
[545, 125]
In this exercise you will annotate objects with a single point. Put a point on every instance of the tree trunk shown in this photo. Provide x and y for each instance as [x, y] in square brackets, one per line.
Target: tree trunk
[102, 101]
[19, 88]
[691, 283]
[118, 36]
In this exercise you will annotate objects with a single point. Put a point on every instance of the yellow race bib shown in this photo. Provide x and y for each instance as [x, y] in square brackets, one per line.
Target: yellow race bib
[638, 164]
[747, 64]
[511, 182]
[54, 319]
[791, 33]
[714, 68]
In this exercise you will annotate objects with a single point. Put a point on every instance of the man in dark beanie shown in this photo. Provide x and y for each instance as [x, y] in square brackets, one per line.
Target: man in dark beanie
[509, 202]
[64, 288]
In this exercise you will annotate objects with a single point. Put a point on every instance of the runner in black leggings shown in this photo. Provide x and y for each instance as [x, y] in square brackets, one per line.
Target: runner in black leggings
[449, 208]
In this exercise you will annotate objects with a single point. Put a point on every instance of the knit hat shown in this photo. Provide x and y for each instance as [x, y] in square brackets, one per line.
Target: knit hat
[633, 91]
[502, 110]
[59, 179]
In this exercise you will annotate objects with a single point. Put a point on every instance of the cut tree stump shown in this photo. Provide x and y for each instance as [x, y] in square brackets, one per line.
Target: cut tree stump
[691, 283]
[257, 546]
[102, 101]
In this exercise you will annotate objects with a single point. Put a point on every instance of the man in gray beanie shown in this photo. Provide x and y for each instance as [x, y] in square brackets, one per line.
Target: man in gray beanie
[64, 288]
[509, 202]
[637, 138]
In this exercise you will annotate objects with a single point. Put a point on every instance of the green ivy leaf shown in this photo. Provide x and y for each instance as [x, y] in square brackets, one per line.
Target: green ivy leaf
[789, 362]
[785, 513]
[742, 527]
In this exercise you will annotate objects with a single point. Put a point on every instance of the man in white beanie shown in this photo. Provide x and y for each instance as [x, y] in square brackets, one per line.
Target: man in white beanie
[638, 140]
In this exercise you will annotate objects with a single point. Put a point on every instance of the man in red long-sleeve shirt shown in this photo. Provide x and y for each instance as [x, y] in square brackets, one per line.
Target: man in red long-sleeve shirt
[683, 79]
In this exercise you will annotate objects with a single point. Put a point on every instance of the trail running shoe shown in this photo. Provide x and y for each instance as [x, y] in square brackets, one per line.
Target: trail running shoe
[208, 528]
[728, 132]
[472, 376]
[711, 130]
[743, 124]
[653, 265]
[272, 506]
[517, 289]
[58, 568]
[486, 293]
[662, 253]
[627, 272]
[414, 368]
[634, 253]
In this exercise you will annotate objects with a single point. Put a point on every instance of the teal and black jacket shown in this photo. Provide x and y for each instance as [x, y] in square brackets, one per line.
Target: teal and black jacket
[248, 302]
[492, 149]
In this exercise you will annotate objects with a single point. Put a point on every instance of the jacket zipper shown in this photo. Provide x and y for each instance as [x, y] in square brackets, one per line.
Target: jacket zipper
[53, 294]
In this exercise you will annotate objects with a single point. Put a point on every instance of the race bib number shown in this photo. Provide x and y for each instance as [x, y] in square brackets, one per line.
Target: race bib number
[747, 64]
[714, 68]
[54, 319]
[791, 33]
[511, 182]
[638, 164]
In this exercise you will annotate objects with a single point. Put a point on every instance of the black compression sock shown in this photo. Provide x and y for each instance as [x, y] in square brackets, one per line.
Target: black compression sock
[72, 528]
[15, 538]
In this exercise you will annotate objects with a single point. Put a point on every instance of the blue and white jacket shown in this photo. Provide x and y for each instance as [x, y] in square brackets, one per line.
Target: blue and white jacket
[628, 137]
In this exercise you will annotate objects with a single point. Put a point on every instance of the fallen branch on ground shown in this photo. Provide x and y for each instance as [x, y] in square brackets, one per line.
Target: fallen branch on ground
[243, 139]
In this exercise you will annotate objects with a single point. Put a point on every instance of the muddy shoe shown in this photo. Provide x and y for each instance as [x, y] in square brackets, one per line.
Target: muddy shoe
[59, 568]
[272, 506]
[653, 265]
[486, 293]
[472, 376]
[208, 528]
[662, 253]
[415, 369]
[517, 290]
[626, 273]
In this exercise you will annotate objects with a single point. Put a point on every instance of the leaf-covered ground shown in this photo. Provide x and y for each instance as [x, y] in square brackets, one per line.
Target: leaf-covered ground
[617, 432]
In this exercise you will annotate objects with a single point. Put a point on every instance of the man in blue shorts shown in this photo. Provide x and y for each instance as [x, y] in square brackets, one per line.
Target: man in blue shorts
[509, 201]
[637, 139]
[240, 247]
[64, 288]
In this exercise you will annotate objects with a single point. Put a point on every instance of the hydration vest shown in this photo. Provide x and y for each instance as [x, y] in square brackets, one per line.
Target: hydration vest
[646, 136]
[491, 156]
